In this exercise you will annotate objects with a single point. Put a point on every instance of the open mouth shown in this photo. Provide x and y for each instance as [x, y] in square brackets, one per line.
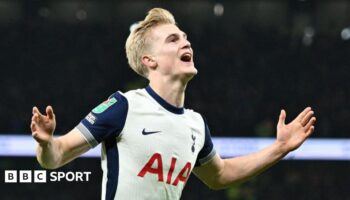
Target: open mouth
[186, 57]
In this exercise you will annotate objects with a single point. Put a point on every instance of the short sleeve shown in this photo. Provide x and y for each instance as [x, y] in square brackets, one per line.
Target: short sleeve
[208, 151]
[105, 121]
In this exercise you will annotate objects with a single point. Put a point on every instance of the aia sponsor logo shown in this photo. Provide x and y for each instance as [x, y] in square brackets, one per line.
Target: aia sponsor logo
[154, 166]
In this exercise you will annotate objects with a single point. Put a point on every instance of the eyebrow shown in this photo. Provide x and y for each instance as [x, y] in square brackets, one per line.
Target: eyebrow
[176, 34]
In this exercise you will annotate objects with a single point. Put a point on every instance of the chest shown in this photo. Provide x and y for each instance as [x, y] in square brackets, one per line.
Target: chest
[178, 136]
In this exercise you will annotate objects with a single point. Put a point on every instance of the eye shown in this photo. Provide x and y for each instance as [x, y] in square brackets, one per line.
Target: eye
[173, 38]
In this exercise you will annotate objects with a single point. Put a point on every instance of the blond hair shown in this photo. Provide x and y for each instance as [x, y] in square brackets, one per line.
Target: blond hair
[138, 43]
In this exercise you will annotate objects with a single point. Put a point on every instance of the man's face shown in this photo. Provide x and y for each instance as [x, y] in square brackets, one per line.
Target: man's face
[172, 52]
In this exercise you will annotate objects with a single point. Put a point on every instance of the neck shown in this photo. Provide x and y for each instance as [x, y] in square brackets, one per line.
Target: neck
[171, 92]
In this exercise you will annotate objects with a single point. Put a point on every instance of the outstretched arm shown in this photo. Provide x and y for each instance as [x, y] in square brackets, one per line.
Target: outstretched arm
[55, 152]
[220, 173]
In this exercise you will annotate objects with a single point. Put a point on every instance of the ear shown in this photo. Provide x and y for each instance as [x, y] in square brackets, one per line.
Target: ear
[149, 61]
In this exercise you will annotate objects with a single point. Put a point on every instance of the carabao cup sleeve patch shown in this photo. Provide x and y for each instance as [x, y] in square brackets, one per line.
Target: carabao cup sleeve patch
[103, 106]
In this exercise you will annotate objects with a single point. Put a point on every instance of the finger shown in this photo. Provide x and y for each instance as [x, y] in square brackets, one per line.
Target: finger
[310, 131]
[36, 136]
[307, 118]
[32, 127]
[310, 123]
[49, 112]
[282, 118]
[40, 138]
[36, 110]
[33, 118]
[36, 118]
[37, 113]
[302, 114]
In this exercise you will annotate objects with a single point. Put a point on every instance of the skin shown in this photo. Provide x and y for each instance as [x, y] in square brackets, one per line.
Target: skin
[55, 152]
[168, 76]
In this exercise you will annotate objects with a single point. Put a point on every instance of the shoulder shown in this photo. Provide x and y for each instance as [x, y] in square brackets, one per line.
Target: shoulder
[105, 120]
[125, 97]
[194, 115]
[132, 94]
[115, 101]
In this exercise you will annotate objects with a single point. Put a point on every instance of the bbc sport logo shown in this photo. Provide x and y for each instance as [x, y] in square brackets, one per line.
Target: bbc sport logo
[42, 176]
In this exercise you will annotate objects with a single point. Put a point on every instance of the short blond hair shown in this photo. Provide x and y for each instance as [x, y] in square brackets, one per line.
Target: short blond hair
[138, 43]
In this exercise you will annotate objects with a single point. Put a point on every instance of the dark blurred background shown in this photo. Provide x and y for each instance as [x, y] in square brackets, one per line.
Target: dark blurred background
[254, 58]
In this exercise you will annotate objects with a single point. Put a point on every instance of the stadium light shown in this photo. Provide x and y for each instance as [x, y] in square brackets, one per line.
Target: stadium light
[345, 33]
[312, 149]
[133, 26]
[218, 9]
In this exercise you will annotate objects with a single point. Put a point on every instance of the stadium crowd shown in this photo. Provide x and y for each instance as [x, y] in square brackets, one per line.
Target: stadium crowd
[244, 80]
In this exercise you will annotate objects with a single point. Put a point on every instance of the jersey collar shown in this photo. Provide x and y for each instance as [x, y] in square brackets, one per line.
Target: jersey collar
[163, 103]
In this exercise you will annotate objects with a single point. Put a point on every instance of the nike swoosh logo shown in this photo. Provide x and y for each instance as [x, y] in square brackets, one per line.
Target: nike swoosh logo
[144, 132]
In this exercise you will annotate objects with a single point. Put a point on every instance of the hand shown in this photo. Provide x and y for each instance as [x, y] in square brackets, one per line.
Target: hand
[292, 135]
[43, 126]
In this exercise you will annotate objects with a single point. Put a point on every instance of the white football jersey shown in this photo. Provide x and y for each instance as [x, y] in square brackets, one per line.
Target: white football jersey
[149, 147]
